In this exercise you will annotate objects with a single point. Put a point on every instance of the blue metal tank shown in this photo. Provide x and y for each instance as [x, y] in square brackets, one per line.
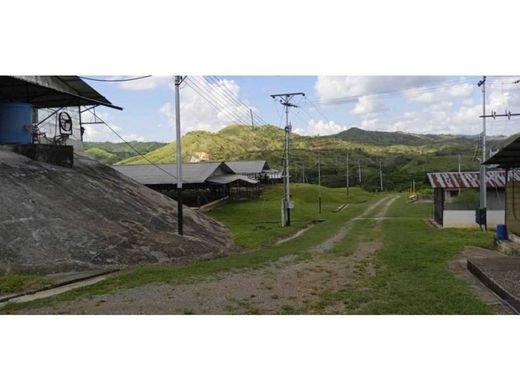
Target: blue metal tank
[13, 119]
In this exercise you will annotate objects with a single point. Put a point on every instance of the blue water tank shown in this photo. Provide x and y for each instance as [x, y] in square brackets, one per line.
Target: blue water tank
[13, 119]
[501, 232]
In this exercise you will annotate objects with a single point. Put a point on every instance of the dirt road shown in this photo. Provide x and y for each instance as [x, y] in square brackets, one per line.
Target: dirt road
[287, 285]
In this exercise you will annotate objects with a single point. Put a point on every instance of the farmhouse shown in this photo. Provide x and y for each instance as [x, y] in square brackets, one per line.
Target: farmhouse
[456, 197]
[203, 182]
[508, 158]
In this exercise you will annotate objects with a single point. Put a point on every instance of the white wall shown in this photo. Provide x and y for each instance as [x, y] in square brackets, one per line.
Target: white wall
[466, 218]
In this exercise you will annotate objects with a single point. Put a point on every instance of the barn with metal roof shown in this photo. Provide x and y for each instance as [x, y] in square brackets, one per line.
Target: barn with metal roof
[203, 182]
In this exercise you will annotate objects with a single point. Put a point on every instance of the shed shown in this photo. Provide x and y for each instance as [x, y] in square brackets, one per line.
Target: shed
[255, 169]
[452, 207]
[508, 158]
[203, 182]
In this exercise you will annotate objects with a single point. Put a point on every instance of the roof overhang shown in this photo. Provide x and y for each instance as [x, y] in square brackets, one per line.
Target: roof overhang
[51, 92]
[507, 157]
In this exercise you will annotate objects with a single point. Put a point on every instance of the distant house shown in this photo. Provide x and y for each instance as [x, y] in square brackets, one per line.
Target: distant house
[455, 197]
[508, 158]
[203, 182]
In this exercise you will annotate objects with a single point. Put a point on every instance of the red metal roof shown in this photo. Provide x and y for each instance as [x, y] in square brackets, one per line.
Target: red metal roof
[454, 180]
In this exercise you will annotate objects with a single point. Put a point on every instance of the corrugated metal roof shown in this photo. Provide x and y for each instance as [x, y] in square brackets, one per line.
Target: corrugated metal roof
[508, 156]
[248, 167]
[192, 173]
[455, 180]
[50, 91]
[226, 179]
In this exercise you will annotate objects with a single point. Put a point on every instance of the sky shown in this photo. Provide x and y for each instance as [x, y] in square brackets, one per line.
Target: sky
[418, 104]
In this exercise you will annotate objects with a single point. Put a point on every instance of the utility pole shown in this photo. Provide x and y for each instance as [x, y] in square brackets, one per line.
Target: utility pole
[348, 184]
[381, 174]
[359, 170]
[178, 140]
[482, 216]
[319, 182]
[285, 100]
[252, 119]
[458, 159]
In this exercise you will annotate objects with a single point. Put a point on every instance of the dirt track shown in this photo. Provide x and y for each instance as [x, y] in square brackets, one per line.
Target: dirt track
[287, 285]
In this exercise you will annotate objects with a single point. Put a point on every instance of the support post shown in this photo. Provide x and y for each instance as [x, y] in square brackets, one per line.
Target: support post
[178, 140]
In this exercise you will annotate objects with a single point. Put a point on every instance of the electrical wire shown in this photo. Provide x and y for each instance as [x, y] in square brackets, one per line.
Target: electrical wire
[318, 110]
[213, 91]
[132, 147]
[219, 106]
[234, 98]
[115, 80]
[199, 91]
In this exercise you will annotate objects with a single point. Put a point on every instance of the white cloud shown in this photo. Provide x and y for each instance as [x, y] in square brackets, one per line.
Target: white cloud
[341, 88]
[320, 128]
[423, 105]
[197, 113]
[101, 133]
[146, 83]
[368, 105]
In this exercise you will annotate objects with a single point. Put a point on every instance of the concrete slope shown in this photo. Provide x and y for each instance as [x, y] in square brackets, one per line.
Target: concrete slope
[57, 219]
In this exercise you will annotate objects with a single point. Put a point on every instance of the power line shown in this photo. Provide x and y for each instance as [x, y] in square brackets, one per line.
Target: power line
[210, 98]
[318, 110]
[234, 98]
[115, 80]
[197, 89]
[221, 99]
[131, 146]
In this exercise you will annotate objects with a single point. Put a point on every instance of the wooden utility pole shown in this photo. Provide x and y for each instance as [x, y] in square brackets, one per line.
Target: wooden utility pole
[359, 170]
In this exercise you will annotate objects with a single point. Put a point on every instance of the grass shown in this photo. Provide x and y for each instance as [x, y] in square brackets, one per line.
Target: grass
[14, 283]
[209, 269]
[412, 269]
[258, 222]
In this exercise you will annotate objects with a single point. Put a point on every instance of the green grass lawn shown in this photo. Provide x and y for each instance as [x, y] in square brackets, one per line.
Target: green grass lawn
[258, 221]
[179, 274]
[412, 269]
[10, 284]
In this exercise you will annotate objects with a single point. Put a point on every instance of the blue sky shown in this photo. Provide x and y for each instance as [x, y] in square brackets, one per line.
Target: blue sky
[421, 104]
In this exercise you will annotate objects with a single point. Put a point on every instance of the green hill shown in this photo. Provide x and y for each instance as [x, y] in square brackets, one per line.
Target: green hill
[404, 156]
[111, 153]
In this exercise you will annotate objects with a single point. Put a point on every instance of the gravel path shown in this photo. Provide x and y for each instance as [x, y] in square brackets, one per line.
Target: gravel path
[284, 286]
